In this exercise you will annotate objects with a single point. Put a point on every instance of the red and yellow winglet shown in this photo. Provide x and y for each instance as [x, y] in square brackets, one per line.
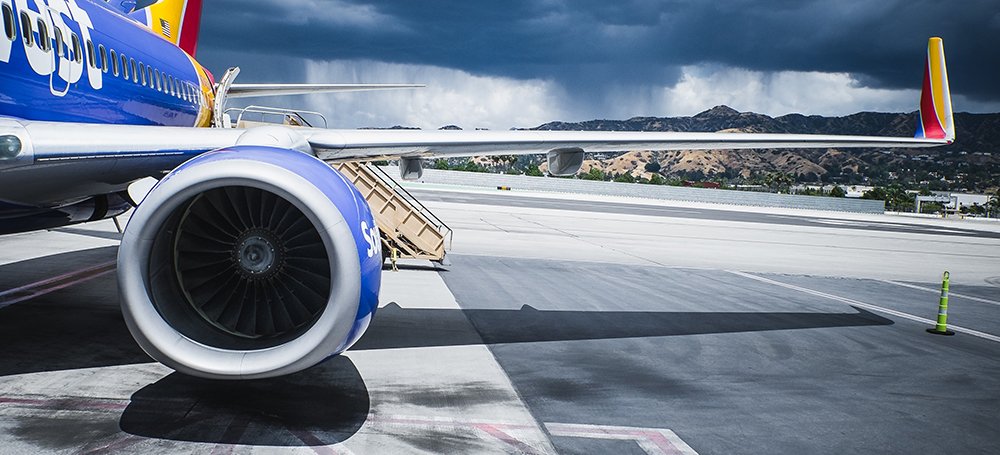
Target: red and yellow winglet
[936, 120]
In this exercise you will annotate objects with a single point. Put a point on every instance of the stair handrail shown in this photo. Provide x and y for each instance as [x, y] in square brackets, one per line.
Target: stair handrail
[267, 110]
[386, 178]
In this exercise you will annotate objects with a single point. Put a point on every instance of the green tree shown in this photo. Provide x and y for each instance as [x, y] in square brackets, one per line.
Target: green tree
[625, 178]
[594, 174]
[877, 193]
[837, 192]
[897, 199]
[656, 179]
[931, 207]
[778, 181]
[472, 166]
[993, 205]
[974, 209]
[652, 166]
[533, 171]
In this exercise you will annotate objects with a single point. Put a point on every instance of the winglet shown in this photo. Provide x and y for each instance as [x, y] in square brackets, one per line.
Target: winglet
[936, 120]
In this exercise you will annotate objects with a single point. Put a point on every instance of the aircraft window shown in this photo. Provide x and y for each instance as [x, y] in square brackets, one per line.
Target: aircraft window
[44, 42]
[159, 86]
[142, 73]
[124, 66]
[114, 62]
[91, 56]
[26, 29]
[131, 67]
[171, 85]
[8, 22]
[77, 51]
[149, 76]
[60, 44]
[104, 57]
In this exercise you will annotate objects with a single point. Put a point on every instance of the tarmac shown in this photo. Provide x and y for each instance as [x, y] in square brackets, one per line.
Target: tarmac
[565, 324]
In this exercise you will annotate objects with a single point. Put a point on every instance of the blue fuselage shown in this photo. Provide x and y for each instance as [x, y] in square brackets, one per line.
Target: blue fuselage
[97, 67]
[79, 61]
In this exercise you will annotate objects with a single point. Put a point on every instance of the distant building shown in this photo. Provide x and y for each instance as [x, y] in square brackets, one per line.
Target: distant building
[967, 199]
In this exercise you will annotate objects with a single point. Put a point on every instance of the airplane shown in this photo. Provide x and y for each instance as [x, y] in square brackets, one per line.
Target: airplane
[251, 257]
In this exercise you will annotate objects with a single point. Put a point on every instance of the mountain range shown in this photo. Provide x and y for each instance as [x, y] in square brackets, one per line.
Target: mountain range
[971, 163]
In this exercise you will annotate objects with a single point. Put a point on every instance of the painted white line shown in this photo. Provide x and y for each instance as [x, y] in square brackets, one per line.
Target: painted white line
[652, 440]
[938, 291]
[39, 288]
[868, 306]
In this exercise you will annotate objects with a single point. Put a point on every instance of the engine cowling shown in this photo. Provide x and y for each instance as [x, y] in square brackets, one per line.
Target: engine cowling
[249, 262]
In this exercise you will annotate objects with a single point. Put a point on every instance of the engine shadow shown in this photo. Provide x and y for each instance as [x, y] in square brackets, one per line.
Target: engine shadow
[323, 405]
[395, 327]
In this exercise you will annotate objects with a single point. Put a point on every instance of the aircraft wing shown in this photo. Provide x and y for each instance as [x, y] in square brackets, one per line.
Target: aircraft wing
[56, 141]
[52, 141]
[368, 144]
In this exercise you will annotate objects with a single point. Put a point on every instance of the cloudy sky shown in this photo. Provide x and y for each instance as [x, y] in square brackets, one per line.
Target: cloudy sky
[520, 63]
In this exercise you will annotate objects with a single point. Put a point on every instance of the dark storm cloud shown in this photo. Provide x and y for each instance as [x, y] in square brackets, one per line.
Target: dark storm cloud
[593, 43]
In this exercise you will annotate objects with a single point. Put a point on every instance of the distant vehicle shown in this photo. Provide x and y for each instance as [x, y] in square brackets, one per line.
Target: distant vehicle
[251, 257]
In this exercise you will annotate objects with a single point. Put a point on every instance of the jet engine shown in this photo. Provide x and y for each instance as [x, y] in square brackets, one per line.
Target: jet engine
[249, 262]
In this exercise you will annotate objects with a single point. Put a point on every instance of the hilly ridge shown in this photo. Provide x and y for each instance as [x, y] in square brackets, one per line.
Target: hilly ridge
[972, 162]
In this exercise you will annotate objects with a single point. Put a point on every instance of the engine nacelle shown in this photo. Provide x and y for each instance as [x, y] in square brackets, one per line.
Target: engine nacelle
[249, 262]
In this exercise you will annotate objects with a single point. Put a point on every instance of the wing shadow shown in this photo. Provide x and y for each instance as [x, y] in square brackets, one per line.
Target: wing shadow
[395, 327]
[84, 328]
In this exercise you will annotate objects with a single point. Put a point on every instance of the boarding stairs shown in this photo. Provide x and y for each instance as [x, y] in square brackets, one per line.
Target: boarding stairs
[408, 228]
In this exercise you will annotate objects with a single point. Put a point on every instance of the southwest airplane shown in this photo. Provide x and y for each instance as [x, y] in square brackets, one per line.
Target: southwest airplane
[251, 257]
